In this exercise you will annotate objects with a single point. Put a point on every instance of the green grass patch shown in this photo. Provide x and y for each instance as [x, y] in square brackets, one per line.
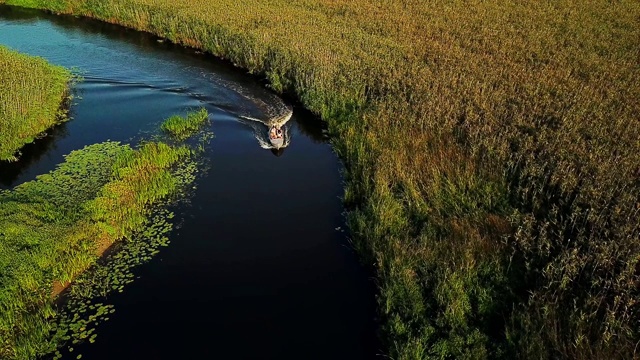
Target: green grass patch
[54, 228]
[31, 98]
[183, 127]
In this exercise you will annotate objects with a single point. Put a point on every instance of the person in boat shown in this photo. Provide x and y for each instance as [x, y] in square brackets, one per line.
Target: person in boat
[272, 134]
[276, 138]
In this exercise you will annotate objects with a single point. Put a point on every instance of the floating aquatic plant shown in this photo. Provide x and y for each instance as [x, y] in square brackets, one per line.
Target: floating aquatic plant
[54, 229]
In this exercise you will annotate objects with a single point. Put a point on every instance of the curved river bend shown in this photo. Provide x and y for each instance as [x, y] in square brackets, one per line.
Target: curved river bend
[259, 268]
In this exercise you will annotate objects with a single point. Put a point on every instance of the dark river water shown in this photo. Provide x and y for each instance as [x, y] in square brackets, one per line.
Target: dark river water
[260, 268]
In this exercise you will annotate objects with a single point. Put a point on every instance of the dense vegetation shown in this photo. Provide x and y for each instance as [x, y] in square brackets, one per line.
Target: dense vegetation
[55, 227]
[182, 127]
[491, 150]
[31, 96]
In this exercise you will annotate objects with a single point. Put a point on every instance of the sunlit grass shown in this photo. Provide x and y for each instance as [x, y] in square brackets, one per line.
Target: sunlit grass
[31, 96]
[491, 152]
[55, 227]
[51, 229]
[182, 127]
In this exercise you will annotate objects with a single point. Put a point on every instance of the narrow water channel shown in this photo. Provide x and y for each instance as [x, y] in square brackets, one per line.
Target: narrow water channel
[260, 267]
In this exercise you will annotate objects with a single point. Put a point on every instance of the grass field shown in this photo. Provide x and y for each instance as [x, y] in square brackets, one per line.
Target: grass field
[31, 99]
[491, 150]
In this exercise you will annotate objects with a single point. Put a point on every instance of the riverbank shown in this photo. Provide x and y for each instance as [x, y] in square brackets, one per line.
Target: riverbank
[32, 95]
[57, 226]
[478, 145]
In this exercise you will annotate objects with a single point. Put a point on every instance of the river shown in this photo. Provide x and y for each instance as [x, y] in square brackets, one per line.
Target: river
[260, 267]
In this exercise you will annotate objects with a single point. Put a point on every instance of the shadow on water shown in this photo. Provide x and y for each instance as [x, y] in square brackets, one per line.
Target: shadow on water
[30, 154]
[313, 128]
[260, 267]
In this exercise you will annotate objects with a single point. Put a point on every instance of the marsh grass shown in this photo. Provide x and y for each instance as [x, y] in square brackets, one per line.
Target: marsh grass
[183, 127]
[491, 152]
[31, 99]
[54, 228]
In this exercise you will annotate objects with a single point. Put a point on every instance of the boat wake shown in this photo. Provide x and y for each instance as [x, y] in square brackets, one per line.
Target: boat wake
[268, 117]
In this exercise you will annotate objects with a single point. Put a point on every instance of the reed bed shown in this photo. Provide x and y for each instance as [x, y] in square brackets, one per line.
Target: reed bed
[183, 127]
[31, 98]
[57, 226]
[491, 152]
